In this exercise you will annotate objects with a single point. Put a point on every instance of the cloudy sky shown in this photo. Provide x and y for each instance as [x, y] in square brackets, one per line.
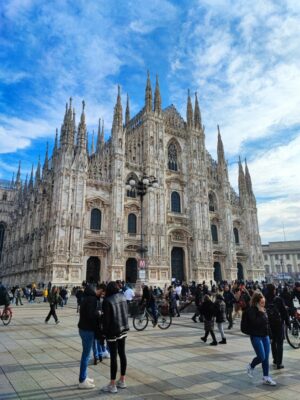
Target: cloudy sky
[242, 57]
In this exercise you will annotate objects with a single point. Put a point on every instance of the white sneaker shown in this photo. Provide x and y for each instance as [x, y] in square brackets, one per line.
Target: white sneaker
[121, 384]
[106, 354]
[110, 388]
[90, 380]
[267, 380]
[86, 384]
[250, 371]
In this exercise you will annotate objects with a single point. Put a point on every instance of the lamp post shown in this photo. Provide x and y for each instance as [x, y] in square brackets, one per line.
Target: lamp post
[141, 187]
[282, 268]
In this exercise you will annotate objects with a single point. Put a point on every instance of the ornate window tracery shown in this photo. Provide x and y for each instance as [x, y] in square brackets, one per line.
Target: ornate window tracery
[214, 233]
[96, 219]
[172, 157]
[132, 223]
[236, 236]
[175, 202]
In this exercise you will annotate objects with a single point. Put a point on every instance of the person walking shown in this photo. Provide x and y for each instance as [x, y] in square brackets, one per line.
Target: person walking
[208, 310]
[18, 294]
[220, 312]
[45, 294]
[257, 321]
[229, 303]
[278, 316]
[198, 301]
[172, 299]
[53, 299]
[87, 326]
[115, 327]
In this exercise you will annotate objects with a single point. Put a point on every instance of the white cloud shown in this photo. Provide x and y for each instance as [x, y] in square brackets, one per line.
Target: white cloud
[245, 63]
[154, 14]
[8, 77]
[13, 8]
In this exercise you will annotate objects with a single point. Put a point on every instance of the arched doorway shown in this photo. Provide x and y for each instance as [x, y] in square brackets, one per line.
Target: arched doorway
[131, 270]
[93, 270]
[217, 272]
[240, 272]
[177, 263]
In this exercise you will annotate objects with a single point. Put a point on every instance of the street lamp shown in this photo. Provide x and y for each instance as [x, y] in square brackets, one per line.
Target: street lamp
[141, 187]
[282, 267]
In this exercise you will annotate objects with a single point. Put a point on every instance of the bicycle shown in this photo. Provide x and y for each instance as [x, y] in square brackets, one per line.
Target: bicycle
[6, 315]
[141, 320]
[293, 334]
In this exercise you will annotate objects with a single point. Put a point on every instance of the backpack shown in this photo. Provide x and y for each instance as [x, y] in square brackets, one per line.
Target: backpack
[245, 326]
[274, 317]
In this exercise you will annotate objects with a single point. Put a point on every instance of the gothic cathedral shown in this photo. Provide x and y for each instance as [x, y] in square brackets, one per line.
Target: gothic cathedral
[149, 203]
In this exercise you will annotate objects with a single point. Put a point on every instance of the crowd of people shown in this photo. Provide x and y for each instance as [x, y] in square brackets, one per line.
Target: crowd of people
[262, 309]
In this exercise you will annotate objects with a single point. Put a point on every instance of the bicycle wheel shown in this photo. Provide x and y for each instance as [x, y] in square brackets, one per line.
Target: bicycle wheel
[293, 334]
[6, 316]
[164, 321]
[140, 322]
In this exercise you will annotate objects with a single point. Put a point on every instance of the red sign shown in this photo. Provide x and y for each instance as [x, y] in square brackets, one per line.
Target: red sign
[142, 263]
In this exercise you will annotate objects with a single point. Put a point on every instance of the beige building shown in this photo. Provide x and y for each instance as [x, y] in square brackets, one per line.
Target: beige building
[151, 195]
[282, 260]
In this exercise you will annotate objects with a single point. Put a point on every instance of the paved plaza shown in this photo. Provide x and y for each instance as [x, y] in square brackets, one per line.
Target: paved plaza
[39, 361]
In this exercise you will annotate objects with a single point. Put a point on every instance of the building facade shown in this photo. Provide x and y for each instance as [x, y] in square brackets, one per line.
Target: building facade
[78, 218]
[282, 260]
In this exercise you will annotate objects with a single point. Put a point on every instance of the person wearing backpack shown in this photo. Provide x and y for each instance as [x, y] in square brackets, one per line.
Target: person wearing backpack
[220, 313]
[208, 310]
[277, 316]
[257, 327]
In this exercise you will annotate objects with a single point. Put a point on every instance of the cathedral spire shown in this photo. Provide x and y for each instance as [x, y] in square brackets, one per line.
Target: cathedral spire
[18, 177]
[242, 181]
[148, 94]
[197, 115]
[31, 179]
[55, 141]
[12, 180]
[127, 113]
[38, 172]
[102, 134]
[221, 156]
[92, 148]
[157, 98]
[45, 166]
[98, 145]
[87, 144]
[248, 180]
[25, 188]
[118, 112]
[189, 111]
[82, 134]
[67, 128]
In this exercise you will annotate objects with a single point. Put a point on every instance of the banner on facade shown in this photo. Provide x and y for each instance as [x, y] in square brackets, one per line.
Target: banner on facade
[142, 263]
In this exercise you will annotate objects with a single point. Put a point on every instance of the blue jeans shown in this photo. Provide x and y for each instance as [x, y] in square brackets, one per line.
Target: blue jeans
[87, 339]
[98, 348]
[261, 345]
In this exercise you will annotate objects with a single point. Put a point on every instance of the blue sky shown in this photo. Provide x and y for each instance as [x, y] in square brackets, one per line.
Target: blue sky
[243, 59]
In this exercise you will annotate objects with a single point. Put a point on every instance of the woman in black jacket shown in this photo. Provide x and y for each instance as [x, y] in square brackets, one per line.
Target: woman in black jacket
[259, 335]
[115, 327]
[207, 309]
[278, 315]
[87, 326]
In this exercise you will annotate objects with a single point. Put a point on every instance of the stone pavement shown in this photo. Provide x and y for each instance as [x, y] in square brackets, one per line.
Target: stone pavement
[39, 361]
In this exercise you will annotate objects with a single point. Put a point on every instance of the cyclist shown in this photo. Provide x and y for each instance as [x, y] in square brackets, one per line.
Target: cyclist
[4, 296]
[149, 298]
[296, 292]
